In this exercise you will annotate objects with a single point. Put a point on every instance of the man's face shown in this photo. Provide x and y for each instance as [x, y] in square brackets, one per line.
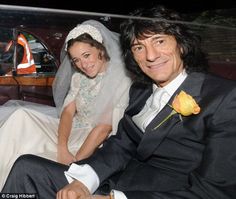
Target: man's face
[158, 56]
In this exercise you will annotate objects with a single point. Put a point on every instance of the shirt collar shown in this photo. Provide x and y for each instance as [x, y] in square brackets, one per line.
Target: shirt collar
[174, 84]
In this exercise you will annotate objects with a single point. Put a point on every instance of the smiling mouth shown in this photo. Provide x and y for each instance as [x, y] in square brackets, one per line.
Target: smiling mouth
[157, 65]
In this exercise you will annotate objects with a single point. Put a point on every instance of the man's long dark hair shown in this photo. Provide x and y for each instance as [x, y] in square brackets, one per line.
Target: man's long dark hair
[193, 57]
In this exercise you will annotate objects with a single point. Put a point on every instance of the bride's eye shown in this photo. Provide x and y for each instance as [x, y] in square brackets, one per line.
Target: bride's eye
[75, 61]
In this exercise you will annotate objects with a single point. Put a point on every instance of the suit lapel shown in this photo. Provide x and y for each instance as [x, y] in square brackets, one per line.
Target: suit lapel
[153, 137]
[138, 100]
[193, 85]
[132, 128]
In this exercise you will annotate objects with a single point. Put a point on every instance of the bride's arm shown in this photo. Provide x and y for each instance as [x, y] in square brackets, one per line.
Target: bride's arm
[64, 129]
[93, 141]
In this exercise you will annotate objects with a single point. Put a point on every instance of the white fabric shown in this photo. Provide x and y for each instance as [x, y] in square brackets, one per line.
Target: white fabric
[86, 175]
[119, 195]
[30, 128]
[152, 107]
[91, 181]
[158, 96]
[81, 29]
[26, 128]
[157, 101]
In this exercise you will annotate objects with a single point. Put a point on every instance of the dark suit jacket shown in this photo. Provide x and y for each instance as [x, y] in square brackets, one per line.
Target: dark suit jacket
[193, 158]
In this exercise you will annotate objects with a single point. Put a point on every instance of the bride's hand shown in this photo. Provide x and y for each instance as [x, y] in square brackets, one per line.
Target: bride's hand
[65, 157]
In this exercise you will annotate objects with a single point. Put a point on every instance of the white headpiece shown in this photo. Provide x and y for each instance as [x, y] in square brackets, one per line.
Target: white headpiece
[81, 29]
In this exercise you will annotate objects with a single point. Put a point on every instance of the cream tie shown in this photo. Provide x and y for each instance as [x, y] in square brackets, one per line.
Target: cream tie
[157, 98]
[154, 104]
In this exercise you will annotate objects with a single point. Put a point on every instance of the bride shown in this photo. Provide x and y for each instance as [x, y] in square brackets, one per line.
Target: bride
[90, 91]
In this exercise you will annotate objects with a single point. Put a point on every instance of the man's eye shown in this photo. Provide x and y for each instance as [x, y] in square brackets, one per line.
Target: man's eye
[137, 48]
[160, 41]
[86, 55]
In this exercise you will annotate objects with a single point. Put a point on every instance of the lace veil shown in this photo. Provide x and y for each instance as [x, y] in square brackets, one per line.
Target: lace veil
[115, 74]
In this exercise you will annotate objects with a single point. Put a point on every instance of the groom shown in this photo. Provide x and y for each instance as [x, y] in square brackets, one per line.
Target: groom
[176, 140]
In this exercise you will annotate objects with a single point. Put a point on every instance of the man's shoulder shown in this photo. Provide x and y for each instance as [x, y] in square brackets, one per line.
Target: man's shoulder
[220, 81]
[215, 85]
[213, 79]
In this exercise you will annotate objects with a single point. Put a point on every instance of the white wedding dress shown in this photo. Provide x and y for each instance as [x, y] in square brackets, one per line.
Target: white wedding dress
[30, 128]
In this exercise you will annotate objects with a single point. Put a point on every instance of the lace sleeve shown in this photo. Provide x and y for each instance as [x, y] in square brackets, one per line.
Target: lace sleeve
[73, 91]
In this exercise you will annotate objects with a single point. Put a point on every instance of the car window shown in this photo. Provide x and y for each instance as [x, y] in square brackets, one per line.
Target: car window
[6, 55]
[43, 59]
[9, 47]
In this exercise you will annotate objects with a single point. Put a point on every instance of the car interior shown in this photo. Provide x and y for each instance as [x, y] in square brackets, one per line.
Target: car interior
[46, 29]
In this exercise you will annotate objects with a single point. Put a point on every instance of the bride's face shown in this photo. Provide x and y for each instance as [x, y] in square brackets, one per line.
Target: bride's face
[87, 58]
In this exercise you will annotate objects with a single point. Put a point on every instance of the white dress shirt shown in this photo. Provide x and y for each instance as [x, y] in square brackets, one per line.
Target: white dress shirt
[153, 105]
[86, 174]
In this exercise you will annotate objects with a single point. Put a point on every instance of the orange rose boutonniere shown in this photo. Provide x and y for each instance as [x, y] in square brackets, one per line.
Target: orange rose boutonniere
[184, 105]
